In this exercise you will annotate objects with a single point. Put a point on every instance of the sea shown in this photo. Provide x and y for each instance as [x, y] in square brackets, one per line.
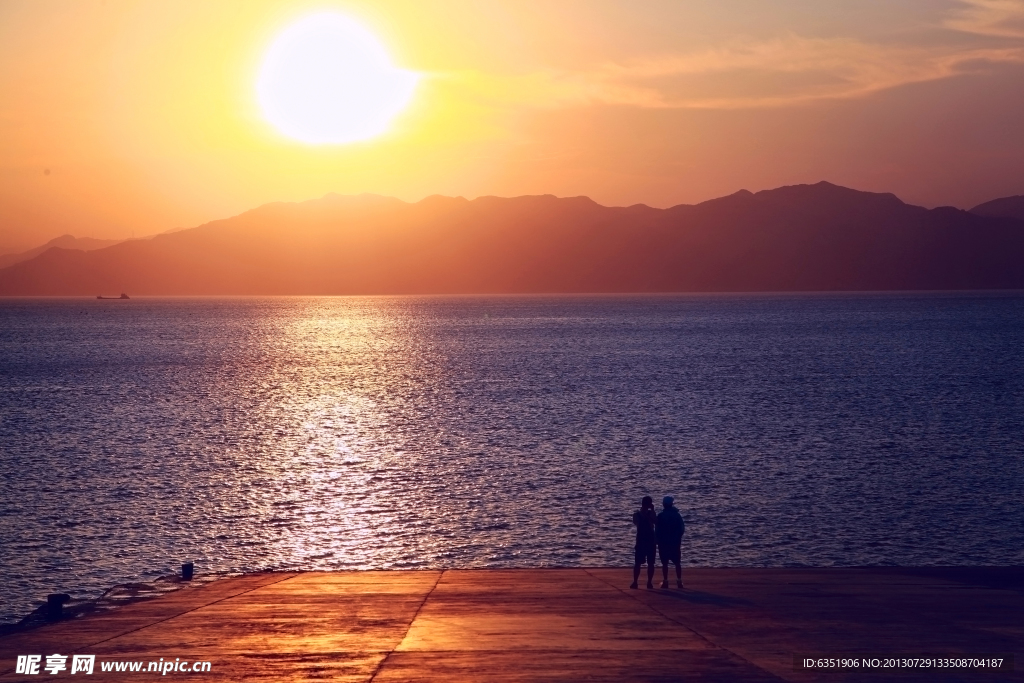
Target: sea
[249, 434]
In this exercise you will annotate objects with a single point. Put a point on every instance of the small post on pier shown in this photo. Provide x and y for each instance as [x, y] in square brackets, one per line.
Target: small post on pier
[187, 571]
[55, 605]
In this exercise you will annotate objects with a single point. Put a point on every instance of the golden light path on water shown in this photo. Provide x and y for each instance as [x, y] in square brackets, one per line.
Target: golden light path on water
[341, 458]
[353, 397]
[358, 433]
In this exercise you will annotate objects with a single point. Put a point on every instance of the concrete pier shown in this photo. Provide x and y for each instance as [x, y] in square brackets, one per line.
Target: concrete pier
[550, 625]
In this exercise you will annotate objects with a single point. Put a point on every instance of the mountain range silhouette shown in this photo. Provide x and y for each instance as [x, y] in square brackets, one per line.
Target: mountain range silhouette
[64, 242]
[819, 237]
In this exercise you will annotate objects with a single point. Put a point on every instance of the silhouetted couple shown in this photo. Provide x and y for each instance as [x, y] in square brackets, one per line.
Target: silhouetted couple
[663, 531]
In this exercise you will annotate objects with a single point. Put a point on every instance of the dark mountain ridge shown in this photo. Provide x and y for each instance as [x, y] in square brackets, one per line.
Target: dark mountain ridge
[818, 237]
[64, 242]
[1006, 207]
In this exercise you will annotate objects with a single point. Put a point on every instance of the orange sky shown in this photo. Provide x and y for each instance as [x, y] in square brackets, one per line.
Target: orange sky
[146, 117]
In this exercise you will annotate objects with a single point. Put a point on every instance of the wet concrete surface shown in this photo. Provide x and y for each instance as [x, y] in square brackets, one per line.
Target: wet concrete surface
[551, 625]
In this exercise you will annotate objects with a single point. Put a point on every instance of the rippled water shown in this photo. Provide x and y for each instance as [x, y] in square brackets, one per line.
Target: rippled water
[328, 433]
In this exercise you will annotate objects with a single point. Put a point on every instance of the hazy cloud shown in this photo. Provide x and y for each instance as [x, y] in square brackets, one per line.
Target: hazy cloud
[787, 70]
[990, 18]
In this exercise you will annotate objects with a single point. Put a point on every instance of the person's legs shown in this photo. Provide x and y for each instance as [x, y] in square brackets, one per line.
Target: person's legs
[650, 568]
[638, 559]
[672, 555]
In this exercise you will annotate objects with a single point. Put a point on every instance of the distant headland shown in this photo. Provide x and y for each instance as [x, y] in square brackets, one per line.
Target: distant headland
[818, 237]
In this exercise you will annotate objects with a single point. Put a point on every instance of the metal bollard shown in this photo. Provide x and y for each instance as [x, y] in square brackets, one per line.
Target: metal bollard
[55, 605]
[187, 571]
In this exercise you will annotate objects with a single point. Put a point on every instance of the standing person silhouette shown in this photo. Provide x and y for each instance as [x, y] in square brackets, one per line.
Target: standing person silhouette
[670, 528]
[644, 519]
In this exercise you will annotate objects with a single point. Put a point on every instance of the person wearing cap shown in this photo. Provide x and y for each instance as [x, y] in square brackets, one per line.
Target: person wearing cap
[669, 531]
[643, 551]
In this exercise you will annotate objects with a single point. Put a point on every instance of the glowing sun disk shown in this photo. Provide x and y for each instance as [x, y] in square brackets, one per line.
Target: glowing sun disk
[327, 80]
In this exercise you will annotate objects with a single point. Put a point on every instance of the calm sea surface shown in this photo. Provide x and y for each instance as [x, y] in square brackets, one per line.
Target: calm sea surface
[341, 433]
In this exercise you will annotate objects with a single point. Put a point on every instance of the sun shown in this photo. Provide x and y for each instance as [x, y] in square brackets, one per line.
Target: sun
[327, 80]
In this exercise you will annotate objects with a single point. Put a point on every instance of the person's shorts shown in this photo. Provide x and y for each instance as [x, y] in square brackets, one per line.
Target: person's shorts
[670, 554]
[645, 554]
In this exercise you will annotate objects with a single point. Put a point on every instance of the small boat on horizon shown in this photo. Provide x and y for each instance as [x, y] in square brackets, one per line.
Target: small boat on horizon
[123, 296]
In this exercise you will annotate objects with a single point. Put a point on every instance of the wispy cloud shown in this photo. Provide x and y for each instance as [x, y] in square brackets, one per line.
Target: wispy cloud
[785, 71]
[1003, 18]
[805, 69]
